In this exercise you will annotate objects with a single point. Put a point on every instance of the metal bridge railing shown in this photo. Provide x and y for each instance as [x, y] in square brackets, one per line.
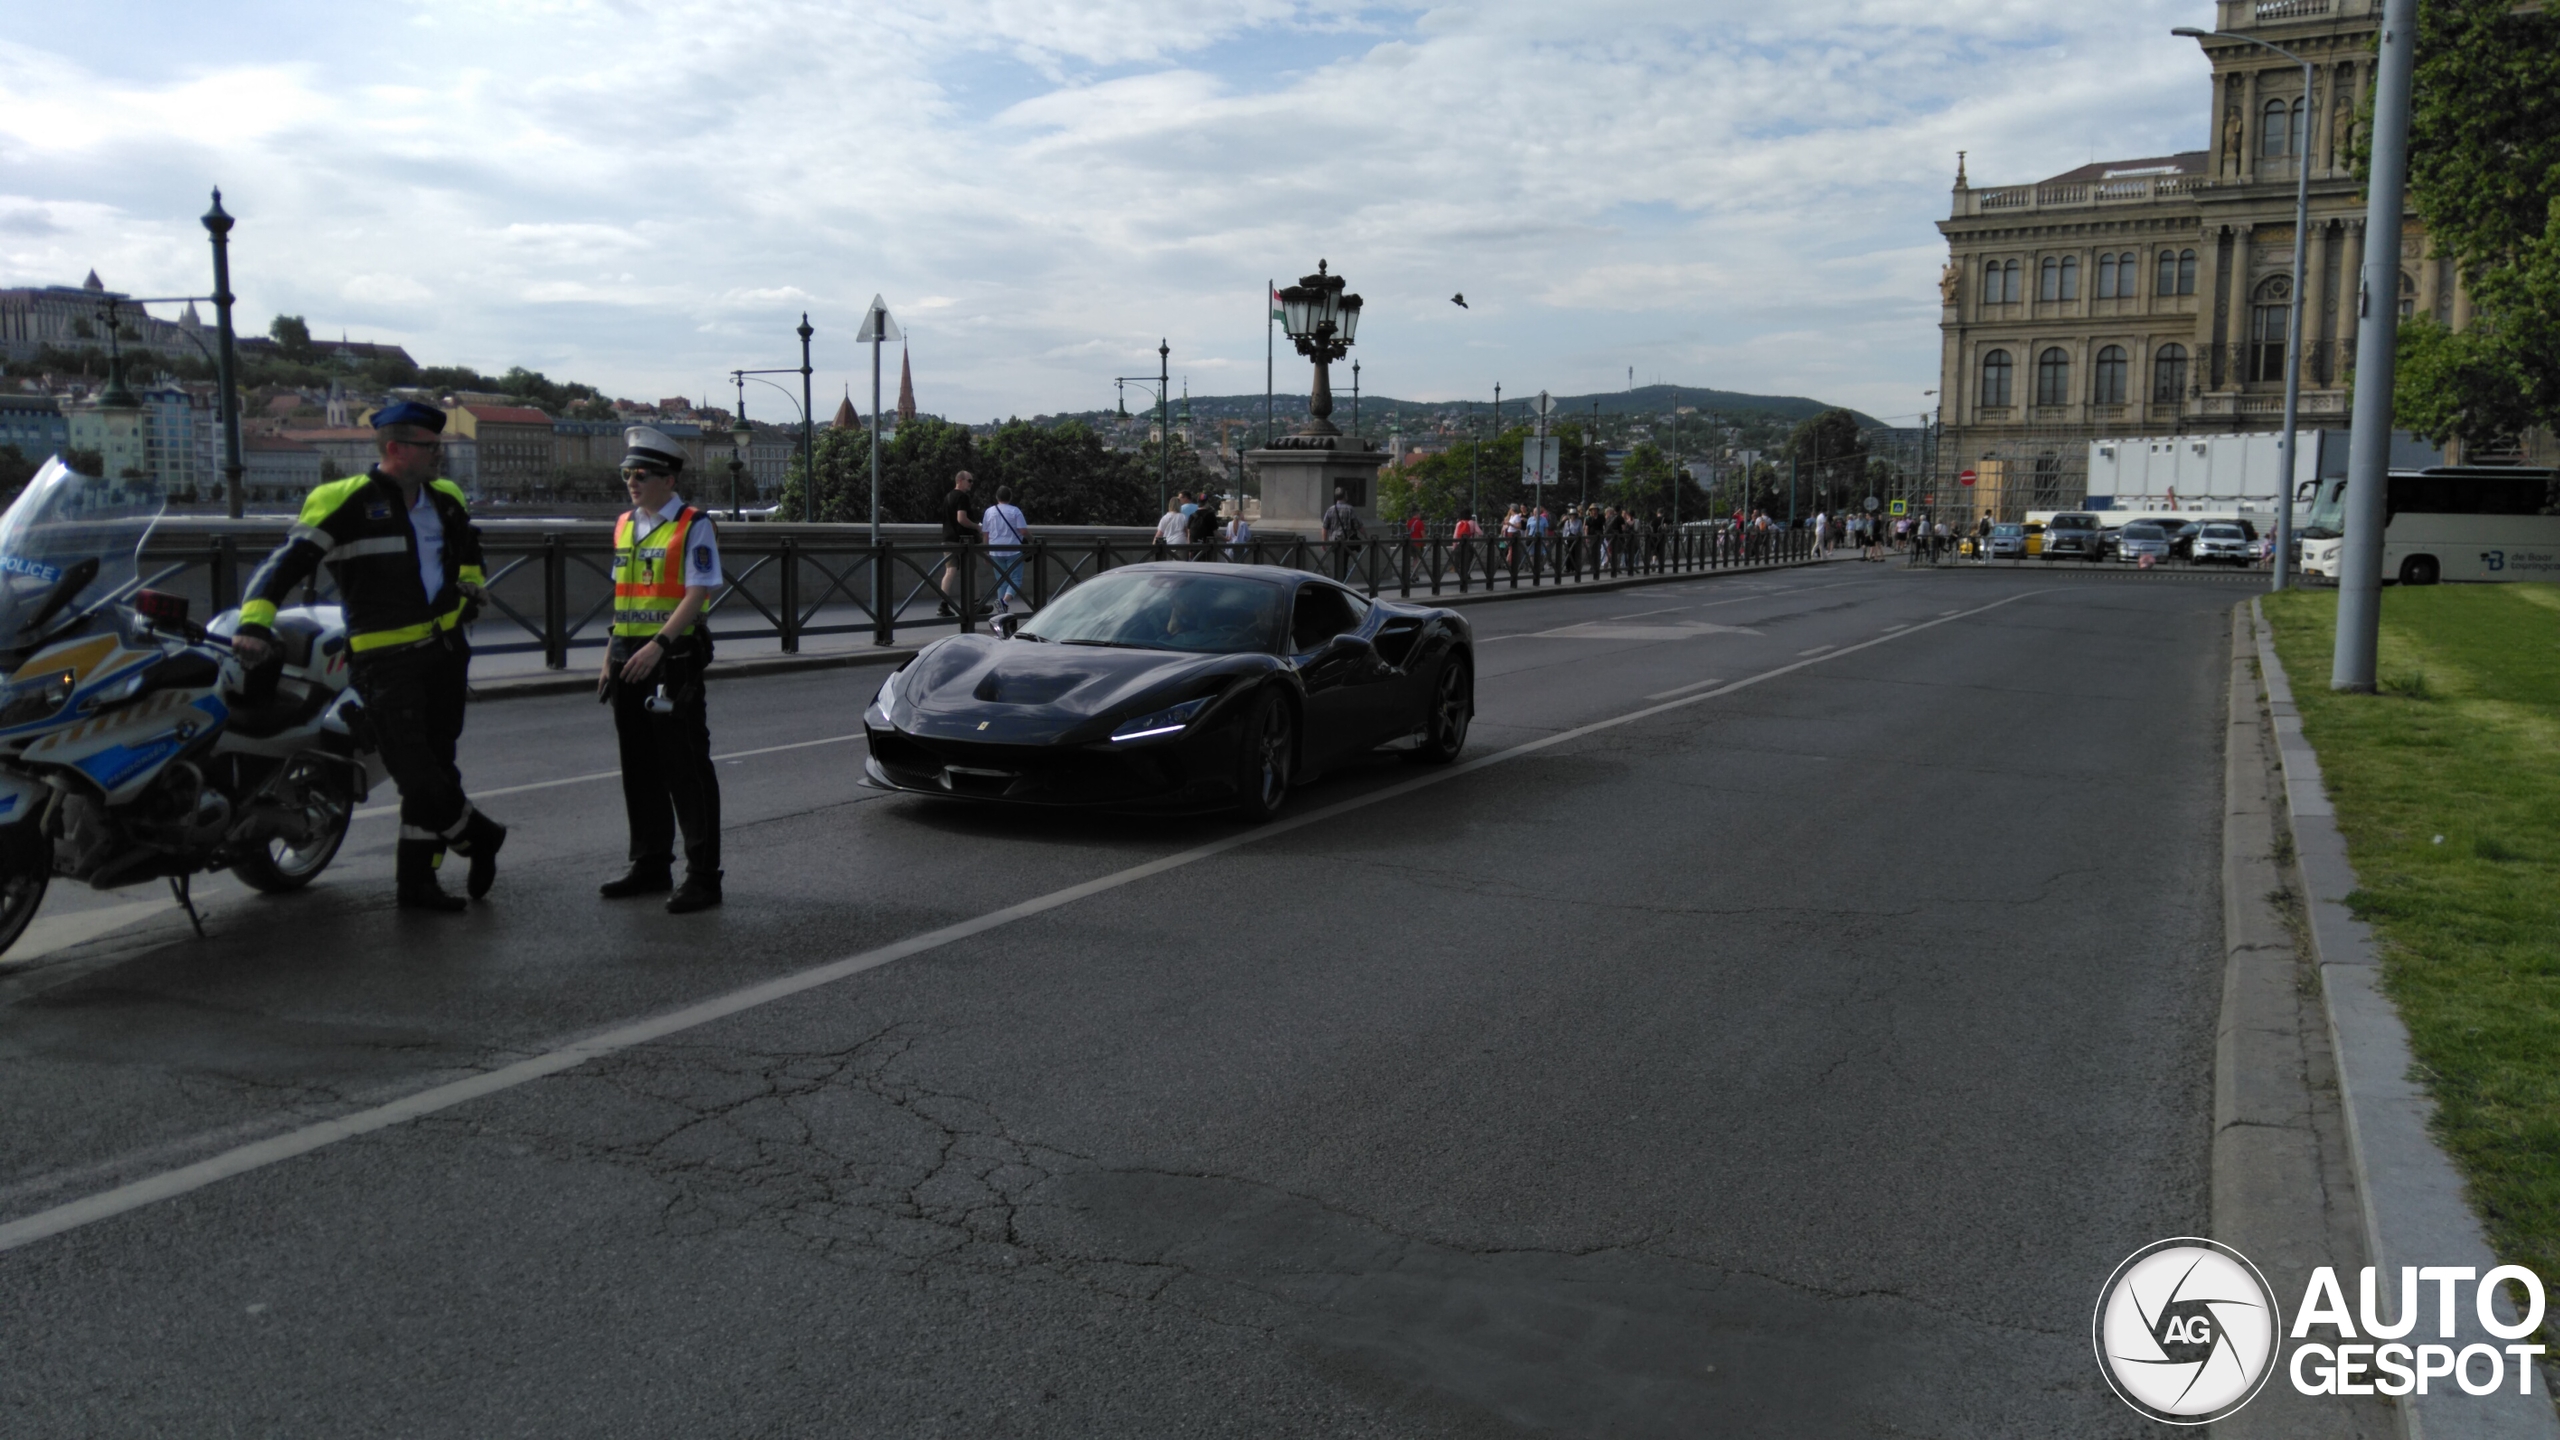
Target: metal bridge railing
[550, 588]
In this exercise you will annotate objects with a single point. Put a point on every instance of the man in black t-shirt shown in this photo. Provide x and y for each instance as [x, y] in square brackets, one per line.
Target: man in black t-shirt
[959, 526]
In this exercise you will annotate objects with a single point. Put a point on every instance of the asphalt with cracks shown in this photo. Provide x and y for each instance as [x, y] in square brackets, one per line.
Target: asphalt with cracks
[1792, 1048]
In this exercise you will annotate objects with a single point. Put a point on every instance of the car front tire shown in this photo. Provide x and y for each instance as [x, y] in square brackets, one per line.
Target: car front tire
[1451, 709]
[1269, 759]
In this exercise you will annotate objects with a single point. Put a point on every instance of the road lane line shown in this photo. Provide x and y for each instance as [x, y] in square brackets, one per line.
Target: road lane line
[372, 810]
[1682, 689]
[241, 1160]
[1818, 649]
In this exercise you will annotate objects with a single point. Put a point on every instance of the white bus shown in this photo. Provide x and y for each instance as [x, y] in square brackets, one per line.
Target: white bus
[2449, 523]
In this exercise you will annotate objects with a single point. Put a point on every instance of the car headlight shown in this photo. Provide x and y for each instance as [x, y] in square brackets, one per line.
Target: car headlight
[1161, 722]
[889, 690]
[29, 701]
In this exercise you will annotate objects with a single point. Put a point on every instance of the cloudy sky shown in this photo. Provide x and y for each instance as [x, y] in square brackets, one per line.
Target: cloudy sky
[645, 195]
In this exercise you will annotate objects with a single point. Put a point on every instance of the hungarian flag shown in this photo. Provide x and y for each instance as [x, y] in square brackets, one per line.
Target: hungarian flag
[1276, 313]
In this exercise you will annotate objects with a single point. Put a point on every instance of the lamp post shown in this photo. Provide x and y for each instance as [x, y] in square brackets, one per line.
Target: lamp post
[2293, 317]
[217, 224]
[1322, 322]
[808, 467]
[809, 427]
[1355, 399]
[741, 435]
[1162, 379]
[2352, 663]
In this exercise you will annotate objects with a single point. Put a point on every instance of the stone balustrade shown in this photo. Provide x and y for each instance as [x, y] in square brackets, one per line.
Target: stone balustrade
[2131, 190]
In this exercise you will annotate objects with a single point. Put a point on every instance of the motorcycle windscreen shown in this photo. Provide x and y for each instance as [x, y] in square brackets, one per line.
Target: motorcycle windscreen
[70, 545]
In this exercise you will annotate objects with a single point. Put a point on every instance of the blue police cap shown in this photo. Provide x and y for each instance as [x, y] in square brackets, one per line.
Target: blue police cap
[410, 412]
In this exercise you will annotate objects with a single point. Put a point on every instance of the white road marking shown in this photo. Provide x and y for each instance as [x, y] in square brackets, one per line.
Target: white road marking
[733, 756]
[1682, 689]
[1818, 649]
[1889, 629]
[169, 1184]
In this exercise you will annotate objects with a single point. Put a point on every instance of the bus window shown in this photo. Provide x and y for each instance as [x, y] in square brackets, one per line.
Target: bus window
[2329, 512]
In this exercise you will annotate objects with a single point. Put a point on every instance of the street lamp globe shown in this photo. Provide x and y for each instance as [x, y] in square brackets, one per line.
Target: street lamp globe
[1322, 322]
[741, 435]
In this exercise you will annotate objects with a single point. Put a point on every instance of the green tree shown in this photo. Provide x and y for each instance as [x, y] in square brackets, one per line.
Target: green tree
[1830, 455]
[2484, 176]
[292, 337]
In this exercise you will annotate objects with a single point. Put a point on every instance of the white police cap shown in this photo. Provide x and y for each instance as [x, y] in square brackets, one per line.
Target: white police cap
[645, 447]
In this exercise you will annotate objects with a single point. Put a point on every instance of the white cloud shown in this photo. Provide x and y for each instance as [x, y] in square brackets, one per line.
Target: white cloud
[643, 194]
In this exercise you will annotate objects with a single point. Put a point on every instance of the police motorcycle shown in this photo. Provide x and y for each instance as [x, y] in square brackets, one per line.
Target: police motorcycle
[134, 745]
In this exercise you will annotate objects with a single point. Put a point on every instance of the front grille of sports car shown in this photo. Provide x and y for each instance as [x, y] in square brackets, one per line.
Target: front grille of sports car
[1032, 773]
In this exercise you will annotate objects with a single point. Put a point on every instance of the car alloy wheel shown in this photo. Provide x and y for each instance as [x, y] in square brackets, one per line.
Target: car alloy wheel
[1270, 755]
[1453, 707]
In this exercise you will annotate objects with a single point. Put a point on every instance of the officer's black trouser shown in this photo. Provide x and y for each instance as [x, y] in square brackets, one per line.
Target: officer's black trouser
[413, 696]
[666, 763]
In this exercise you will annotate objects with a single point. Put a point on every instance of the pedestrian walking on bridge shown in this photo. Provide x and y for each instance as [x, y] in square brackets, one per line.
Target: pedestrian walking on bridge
[666, 563]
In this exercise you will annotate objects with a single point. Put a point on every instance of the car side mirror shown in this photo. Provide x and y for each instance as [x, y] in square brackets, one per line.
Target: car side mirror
[1007, 623]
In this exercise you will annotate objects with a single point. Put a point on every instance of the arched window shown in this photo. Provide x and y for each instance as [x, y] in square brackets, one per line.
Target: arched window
[2167, 283]
[2299, 145]
[2269, 309]
[2106, 377]
[2070, 277]
[2169, 374]
[2053, 377]
[1995, 378]
[2015, 291]
[2128, 275]
[2186, 272]
[2051, 288]
[2408, 295]
[1991, 282]
[2106, 277]
[2271, 132]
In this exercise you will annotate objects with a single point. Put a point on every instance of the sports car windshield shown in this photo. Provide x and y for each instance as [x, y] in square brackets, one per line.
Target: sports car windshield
[1209, 613]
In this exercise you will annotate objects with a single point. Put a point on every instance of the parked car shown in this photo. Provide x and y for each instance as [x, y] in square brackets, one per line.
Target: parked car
[2182, 537]
[2220, 542]
[2142, 540]
[2074, 533]
[2008, 542]
[2035, 537]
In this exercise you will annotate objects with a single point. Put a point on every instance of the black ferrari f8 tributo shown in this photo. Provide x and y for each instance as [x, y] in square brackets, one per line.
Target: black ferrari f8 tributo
[1175, 685]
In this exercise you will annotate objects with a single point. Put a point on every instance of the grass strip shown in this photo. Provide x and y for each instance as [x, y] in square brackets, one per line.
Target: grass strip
[2447, 788]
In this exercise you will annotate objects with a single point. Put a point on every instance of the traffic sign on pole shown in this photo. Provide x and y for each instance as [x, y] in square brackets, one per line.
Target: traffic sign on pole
[1539, 460]
[1966, 478]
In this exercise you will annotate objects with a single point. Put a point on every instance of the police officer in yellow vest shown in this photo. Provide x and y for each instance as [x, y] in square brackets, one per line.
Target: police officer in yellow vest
[400, 543]
[666, 563]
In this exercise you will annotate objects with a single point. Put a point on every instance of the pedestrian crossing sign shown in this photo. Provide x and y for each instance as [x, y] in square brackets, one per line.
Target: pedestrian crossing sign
[1899, 507]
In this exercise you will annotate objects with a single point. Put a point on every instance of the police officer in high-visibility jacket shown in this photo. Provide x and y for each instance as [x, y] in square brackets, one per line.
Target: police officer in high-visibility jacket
[399, 542]
[666, 564]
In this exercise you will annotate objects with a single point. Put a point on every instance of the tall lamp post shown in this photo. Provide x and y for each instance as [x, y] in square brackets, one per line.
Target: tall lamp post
[808, 466]
[2352, 663]
[1162, 380]
[217, 224]
[2298, 141]
[741, 435]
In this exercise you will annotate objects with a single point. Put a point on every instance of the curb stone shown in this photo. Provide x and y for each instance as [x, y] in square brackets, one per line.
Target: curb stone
[2283, 1192]
[2415, 1211]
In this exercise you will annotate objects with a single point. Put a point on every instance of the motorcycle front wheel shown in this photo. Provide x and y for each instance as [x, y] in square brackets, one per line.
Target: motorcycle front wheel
[280, 865]
[26, 871]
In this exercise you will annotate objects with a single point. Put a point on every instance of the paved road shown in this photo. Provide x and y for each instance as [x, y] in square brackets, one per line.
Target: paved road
[1796, 1061]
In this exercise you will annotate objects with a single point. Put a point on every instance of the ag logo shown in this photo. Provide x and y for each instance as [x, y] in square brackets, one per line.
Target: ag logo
[2186, 1330]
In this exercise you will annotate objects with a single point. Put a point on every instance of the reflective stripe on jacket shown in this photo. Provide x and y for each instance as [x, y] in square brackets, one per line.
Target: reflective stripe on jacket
[646, 587]
[360, 529]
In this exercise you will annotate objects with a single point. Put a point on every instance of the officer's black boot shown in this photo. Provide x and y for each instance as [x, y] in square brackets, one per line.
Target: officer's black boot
[645, 877]
[416, 867]
[701, 891]
[480, 840]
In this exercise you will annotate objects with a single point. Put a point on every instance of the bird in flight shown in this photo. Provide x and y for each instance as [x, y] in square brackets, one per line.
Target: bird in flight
[1459, 299]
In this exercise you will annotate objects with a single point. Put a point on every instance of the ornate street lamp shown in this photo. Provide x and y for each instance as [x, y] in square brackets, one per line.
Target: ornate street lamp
[1322, 322]
[741, 435]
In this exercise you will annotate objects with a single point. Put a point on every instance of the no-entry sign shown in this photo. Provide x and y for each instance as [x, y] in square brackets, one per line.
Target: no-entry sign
[1966, 478]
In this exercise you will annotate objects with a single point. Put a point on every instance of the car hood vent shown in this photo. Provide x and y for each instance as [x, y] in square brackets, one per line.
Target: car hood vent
[1008, 686]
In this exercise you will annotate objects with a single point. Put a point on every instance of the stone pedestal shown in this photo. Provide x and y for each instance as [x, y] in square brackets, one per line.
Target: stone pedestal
[1300, 475]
